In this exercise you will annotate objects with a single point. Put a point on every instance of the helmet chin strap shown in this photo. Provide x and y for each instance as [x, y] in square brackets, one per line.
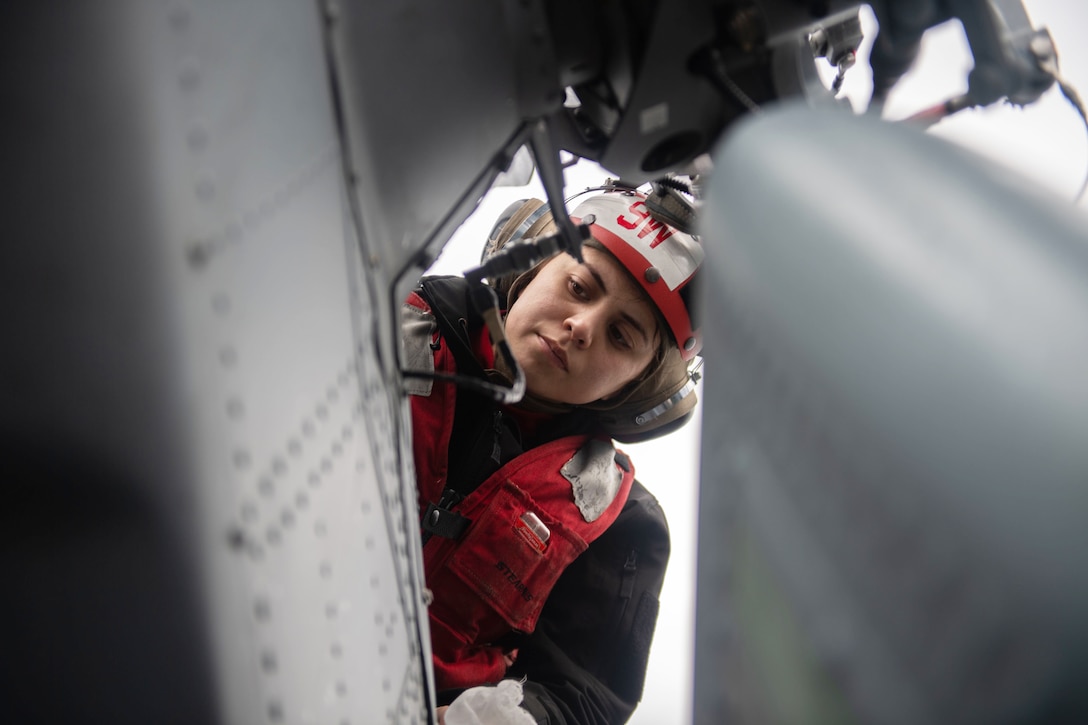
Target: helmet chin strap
[529, 402]
[487, 304]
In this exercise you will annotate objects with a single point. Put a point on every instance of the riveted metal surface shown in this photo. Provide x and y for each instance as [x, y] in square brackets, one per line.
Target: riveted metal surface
[218, 317]
[295, 426]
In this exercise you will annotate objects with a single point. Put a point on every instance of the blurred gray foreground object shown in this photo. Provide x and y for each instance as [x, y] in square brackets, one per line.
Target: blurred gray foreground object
[894, 503]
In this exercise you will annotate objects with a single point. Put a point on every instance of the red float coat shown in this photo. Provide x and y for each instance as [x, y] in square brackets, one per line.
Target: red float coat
[495, 578]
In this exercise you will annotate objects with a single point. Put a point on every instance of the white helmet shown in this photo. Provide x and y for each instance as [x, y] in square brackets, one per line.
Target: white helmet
[664, 261]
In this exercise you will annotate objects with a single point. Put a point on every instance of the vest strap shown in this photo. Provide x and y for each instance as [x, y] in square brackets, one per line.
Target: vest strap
[440, 519]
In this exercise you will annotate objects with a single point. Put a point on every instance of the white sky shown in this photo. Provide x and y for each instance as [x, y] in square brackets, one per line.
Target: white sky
[1046, 142]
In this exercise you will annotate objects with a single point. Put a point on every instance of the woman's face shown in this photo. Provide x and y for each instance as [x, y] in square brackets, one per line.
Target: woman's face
[581, 331]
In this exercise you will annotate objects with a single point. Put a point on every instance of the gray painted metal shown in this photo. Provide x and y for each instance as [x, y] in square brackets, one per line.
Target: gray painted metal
[210, 517]
[892, 521]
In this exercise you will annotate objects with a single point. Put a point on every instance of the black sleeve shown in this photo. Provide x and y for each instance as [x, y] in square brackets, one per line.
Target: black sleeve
[586, 661]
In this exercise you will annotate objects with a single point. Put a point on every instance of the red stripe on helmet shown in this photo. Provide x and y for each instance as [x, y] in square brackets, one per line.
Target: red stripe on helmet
[669, 302]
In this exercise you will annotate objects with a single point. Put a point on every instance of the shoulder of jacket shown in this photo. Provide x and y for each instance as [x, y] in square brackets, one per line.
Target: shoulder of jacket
[416, 302]
[447, 293]
[595, 472]
[643, 511]
[417, 328]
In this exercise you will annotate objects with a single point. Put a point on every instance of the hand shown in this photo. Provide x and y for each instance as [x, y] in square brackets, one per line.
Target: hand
[508, 658]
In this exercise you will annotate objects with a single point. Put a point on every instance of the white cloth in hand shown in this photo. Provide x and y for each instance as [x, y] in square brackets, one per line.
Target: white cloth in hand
[498, 705]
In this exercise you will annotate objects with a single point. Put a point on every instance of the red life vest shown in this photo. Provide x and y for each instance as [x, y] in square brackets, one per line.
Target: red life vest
[530, 519]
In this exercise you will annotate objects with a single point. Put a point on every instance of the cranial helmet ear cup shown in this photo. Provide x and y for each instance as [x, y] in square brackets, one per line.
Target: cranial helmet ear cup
[524, 219]
[508, 223]
[632, 421]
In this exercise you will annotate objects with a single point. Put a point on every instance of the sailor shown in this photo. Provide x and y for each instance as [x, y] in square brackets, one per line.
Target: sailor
[545, 557]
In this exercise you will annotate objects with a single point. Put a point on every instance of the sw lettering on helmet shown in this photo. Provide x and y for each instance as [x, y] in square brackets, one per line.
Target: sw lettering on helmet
[648, 224]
